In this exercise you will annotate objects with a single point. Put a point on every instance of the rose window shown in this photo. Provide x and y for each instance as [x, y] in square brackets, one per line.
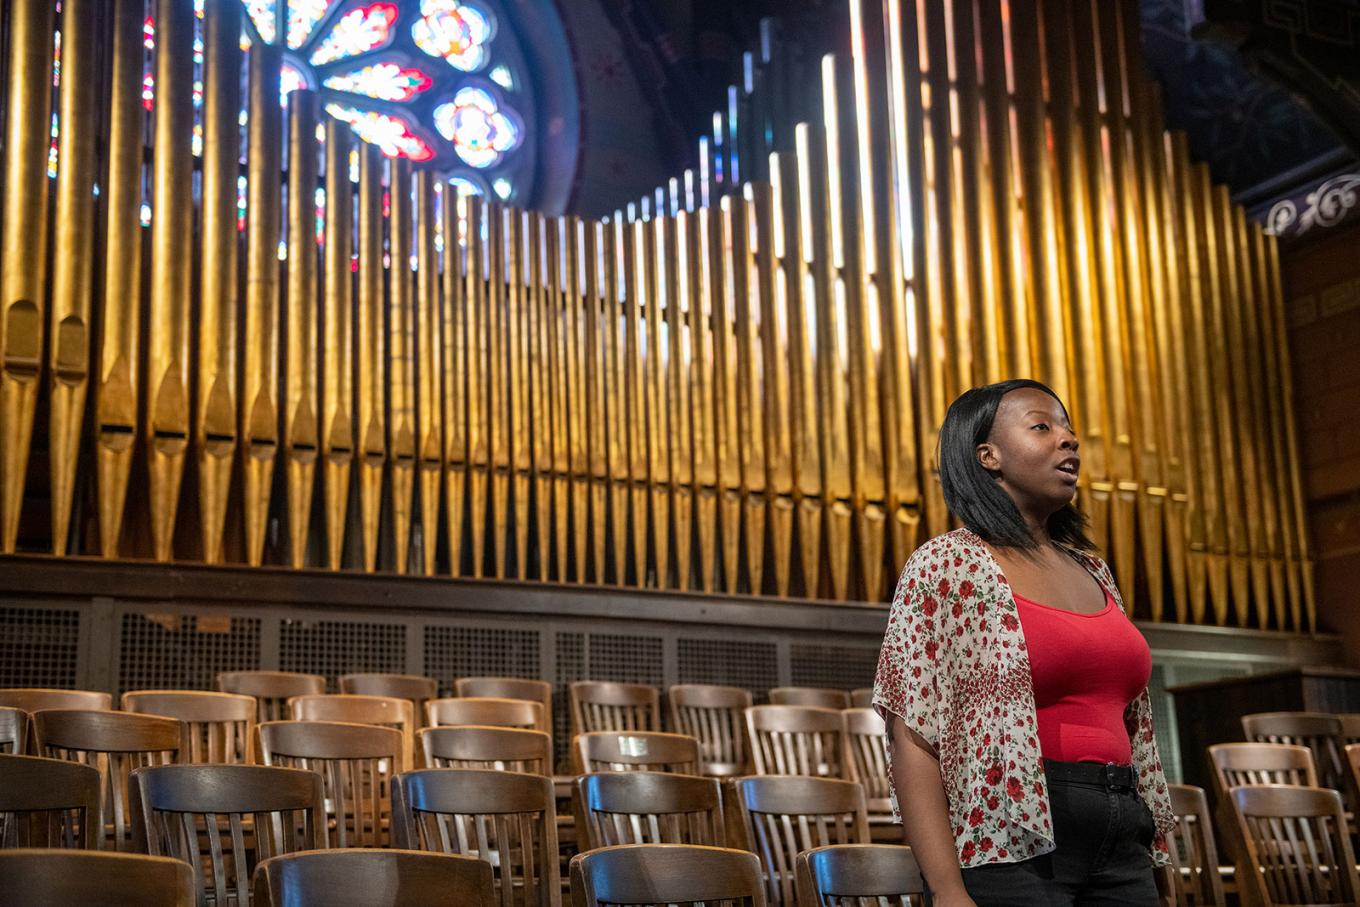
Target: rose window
[430, 80]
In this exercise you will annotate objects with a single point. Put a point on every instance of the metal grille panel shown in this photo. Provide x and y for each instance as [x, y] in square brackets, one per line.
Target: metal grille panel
[453, 652]
[625, 659]
[735, 663]
[161, 651]
[833, 667]
[332, 648]
[39, 648]
[571, 666]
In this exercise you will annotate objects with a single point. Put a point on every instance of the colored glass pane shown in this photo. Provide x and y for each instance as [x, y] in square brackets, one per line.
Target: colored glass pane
[358, 31]
[479, 130]
[454, 31]
[384, 81]
[264, 13]
[302, 18]
[391, 134]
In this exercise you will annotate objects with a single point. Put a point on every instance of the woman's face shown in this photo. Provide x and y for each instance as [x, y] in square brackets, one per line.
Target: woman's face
[1032, 451]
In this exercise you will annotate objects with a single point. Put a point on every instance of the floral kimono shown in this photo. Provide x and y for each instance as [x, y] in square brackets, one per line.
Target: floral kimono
[954, 667]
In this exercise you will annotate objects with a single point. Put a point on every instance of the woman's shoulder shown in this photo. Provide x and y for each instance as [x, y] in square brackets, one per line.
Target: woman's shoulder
[955, 548]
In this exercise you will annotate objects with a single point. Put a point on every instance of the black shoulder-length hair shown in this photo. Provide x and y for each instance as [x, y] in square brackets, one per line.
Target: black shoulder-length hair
[970, 490]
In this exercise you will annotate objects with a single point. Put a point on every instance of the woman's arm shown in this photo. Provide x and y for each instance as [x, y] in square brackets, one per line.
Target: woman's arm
[925, 814]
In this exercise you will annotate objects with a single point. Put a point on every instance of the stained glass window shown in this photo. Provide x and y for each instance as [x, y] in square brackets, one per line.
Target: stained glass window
[432, 80]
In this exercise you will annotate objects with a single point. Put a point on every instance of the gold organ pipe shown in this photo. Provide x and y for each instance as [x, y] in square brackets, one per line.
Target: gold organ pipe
[453, 400]
[119, 358]
[635, 403]
[300, 441]
[709, 330]
[575, 393]
[171, 234]
[615, 391]
[372, 400]
[23, 249]
[745, 292]
[540, 396]
[518, 339]
[72, 275]
[676, 279]
[498, 422]
[595, 370]
[215, 425]
[429, 444]
[401, 383]
[337, 389]
[553, 329]
[259, 401]
[653, 250]
[474, 316]
[1266, 433]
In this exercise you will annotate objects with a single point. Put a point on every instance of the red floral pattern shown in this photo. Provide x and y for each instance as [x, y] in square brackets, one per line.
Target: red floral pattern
[954, 667]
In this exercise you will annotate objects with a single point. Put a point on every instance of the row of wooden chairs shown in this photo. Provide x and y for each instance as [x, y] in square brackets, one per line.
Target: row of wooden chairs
[213, 815]
[635, 874]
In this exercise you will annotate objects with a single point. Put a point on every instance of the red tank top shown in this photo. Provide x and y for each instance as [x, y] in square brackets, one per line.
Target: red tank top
[1086, 669]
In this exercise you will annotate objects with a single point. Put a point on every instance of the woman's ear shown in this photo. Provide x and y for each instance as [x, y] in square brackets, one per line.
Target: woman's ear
[987, 456]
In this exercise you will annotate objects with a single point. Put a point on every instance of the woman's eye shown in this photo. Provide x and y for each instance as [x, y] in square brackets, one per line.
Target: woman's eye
[1043, 425]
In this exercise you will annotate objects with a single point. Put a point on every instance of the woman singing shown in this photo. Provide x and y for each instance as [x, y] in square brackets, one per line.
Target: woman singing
[1013, 686]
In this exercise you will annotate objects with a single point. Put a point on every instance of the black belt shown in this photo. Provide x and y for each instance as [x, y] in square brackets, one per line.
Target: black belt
[1110, 775]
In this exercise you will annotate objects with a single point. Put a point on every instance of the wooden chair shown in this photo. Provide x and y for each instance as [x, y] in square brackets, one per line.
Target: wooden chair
[374, 878]
[614, 808]
[381, 711]
[1320, 733]
[13, 731]
[885, 875]
[862, 698]
[795, 740]
[713, 715]
[603, 706]
[1194, 855]
[113, 743]
[414, 687]
[271, 689]
[220, 727]
[357, 763]
[60, 878]
[525, 714]
[663, 874]
[206, 814]
[506, 818]
[1248, 764]
[48, 803]
[867, 757]
[1297, 848]
[817, 697]
[33, 700]
[506, 688]
[500, 748]
[783, 815]
[608, 751]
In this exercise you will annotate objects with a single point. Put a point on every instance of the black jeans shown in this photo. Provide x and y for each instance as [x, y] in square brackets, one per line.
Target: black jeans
[1102, 832]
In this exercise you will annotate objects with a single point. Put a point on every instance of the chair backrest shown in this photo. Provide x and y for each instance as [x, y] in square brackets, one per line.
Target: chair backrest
[219, 727]
[819, 697]
[500, 748]
[610, 751]
[381, 711]
[1350, 728]
[357, 763]
[48, 803]
[414, 687]
[1247, 764]
[1319, 732]
[271, 689]
[866, 757]
[526, 714]
[373, 878]
[638, 874]
[783, 815]
[114, 743]
[508, 819]
[862, 698]
[713, 715]
[203, 815]
[647, 808]
[604, 706]
[506, 688]
[1194, 854]
[1298, 848]
[13, 731]
[842, 875]
[59, 878]
[33, 700]
[796, 740]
